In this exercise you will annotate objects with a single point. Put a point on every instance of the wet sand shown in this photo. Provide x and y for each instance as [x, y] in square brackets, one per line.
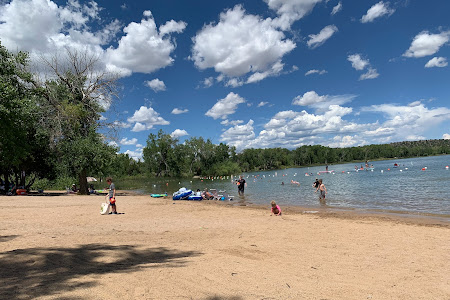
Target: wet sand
[60, 247]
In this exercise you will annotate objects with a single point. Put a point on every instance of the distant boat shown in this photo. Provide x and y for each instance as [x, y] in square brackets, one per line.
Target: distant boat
[395, 165]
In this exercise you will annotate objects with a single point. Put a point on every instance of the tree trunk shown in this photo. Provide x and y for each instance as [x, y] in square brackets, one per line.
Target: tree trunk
[82, 181]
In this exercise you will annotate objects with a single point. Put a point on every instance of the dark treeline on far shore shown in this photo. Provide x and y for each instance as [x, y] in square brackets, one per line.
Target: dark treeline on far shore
[52, 135]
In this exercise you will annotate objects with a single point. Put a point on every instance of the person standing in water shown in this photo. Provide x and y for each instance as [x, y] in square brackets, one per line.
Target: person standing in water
[241, 185]
[322, 192]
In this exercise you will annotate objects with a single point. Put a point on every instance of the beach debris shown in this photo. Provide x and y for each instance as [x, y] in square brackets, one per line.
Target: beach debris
[232, 274]
[288, 285]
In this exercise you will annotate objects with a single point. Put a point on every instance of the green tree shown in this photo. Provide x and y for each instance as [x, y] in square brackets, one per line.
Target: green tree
[76, 94]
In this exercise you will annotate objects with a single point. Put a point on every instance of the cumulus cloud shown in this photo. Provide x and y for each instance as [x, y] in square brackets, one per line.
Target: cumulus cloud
[178, 133]
[145, 118]
[314, 71]
[136, 155]
[376, 11]
[43, 28]
[337, 8]
[446, 136]
[439, 62]
[425, 44]
[178, 111]
[290, 11]
[238, 134]
[225, 107]
[321, 103]
[208, 82]
[231, 123]
[402, 120]
[316, 40]
[156, 85]
[346, 141]
[143, 48]
[241, 44]
[308, 98]
[127, 142]
[358, 63]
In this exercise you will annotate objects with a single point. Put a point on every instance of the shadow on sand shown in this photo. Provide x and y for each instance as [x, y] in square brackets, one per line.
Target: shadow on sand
[35, 272]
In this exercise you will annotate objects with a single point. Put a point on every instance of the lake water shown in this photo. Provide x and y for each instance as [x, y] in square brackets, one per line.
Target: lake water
[406, 188]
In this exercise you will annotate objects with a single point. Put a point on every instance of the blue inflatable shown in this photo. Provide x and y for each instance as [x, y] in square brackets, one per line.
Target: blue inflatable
[182, 194]
[194, 197]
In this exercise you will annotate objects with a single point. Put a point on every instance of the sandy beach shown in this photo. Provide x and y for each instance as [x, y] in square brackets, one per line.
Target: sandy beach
[60, 247]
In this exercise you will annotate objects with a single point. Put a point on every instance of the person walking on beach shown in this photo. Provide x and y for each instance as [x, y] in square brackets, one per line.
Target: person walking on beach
[276, 210]
[112, 195]
[322, 192]
[241, 185]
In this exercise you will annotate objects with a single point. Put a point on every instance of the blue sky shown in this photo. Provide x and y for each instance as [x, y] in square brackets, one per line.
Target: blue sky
[261, 73]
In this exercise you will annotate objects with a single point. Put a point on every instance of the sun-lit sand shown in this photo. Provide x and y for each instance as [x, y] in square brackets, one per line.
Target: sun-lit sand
[60, 247]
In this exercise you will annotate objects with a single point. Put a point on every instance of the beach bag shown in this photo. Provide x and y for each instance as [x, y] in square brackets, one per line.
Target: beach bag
[104, 208]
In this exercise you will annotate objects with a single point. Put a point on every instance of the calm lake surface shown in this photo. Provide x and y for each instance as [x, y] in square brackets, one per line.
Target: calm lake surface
[406, 188]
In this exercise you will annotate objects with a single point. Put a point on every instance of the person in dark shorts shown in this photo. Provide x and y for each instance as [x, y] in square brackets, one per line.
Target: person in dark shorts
[112, 196]
[316, 184]
[241, 185]
[322, 192]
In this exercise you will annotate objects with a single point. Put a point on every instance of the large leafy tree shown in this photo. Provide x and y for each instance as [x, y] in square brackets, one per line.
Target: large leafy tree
[23, 146]
[159, 154]
[76, 92]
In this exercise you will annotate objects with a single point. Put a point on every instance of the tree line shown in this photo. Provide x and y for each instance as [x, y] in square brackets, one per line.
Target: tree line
[164, 156]
[51, 133]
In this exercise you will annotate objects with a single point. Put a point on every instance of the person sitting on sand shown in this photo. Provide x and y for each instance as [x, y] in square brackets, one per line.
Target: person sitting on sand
[276, 210]
[207, 195]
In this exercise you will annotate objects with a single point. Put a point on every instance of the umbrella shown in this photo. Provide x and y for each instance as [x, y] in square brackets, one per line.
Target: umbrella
[91, 179]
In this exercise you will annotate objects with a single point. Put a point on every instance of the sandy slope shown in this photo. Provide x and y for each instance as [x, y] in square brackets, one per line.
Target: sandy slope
[60, 247]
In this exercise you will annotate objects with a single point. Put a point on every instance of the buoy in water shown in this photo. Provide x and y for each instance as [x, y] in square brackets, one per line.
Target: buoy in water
[446, 167]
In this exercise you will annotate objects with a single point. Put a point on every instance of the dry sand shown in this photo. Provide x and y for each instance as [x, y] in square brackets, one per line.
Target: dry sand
[60, 247]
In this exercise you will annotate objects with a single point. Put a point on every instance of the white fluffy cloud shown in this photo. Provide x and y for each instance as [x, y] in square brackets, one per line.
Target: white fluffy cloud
[136, 155]
[439, 62]
[156, 85]
[178, 133]
[143, 48]
[446, 136]
[43, 28]
[127, 142]
[314, 71]
[376, 11]
[178, 111]
[425, 44]
[241, 44]
[402, 120]
[358, 63]
[290, 11]
[231, 123]
[225, 107]
[308, 98]
[337, 8]
[316, 40]
[237, 135]
[145, 118]
[321, 103]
